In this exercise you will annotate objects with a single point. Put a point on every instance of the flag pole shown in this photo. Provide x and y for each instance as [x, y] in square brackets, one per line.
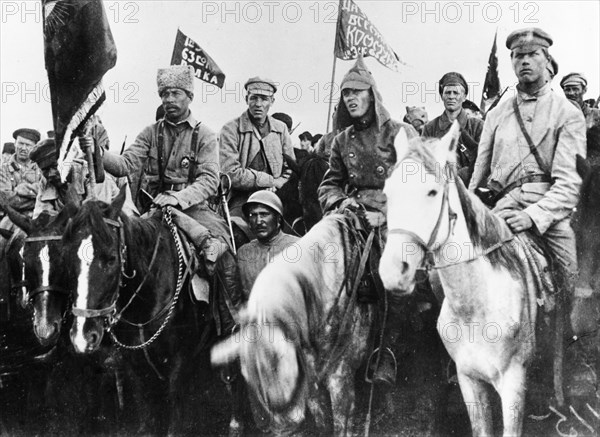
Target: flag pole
[331, 92]
[333, 69]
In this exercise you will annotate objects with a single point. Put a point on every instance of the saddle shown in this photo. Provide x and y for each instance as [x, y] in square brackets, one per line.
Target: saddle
[540, 262]
[370, 286]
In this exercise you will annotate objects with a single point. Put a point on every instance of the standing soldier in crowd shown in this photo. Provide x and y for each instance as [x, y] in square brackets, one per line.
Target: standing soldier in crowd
[574, 86]
[7, 151]
[527, 156]
[252, 147]
[19, 176]
[264, 213]
[454, 89]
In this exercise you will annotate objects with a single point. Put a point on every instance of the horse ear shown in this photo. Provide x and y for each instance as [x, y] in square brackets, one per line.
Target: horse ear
[72, 197]
[446, 148]
[6, 233]
[291, 163]
[401, 144]
[18, 219]
[583, 167]
[117, 204]
[225, 352]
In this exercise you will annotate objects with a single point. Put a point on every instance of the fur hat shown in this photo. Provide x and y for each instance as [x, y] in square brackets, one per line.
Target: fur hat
[176, 76]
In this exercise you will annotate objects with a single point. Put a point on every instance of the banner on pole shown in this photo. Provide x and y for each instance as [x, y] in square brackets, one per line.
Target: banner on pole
[356, 34]
[188, 52]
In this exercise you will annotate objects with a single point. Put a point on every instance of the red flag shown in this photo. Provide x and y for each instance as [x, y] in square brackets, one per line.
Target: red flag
[491, 85]
[78, 49]
[188, 52]
[356, 34]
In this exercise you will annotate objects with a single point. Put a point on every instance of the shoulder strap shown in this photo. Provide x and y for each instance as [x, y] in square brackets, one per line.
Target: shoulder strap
[532, 147]
[193, 153]
[159, 152]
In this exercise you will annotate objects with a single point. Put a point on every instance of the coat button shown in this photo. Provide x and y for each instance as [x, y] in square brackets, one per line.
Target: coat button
[380, 170]
[351, 155]
[352, 175]
[529, 119]
[358, 196]
[352, 136]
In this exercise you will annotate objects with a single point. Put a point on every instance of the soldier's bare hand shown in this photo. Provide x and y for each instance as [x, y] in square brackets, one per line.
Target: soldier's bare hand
[164, 199]
[279, 182]
[518, 221]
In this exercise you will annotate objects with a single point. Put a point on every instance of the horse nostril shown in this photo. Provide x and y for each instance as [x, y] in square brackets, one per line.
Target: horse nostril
[404, 267]
[93, 338]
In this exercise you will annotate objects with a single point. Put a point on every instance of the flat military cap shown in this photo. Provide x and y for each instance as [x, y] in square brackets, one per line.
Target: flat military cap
[573, 79]
[528, 40]
[452, 79]
[30, 134]
[259, 85]
[44, 153]
[8, 148]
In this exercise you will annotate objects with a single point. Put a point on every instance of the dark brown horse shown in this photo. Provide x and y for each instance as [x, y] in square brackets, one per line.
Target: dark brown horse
[128, 279]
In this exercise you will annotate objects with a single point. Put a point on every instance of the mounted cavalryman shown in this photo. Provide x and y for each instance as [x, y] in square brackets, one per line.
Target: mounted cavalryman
[181, 162]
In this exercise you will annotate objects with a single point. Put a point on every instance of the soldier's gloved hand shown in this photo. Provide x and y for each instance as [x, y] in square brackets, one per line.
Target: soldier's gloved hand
[350, 203]
[375, 218]
[165, 199]
[85, 143]
[26, 189]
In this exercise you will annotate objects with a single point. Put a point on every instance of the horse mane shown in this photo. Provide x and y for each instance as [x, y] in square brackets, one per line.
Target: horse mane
[140, 234]
[291, 295]
[485, 228]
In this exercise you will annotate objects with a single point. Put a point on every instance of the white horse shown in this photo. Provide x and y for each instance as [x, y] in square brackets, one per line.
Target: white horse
[488, 315]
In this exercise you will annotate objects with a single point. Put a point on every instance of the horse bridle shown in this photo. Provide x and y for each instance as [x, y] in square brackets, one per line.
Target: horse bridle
[428, 247]
[42, 288]
[110, 311]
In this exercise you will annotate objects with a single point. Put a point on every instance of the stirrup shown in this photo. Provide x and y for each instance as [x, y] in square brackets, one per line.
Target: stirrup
[370, 364]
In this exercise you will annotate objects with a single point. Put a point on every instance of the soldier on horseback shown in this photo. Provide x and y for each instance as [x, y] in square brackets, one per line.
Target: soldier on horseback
[361, 156]
[180, 156]
[527, 154]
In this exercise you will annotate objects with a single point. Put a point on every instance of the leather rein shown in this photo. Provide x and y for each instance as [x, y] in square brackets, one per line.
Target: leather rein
[430, 247]
[42, 288]
[112, 317]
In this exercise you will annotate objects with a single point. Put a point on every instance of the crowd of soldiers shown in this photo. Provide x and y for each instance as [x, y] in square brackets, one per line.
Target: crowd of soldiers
[523, 153]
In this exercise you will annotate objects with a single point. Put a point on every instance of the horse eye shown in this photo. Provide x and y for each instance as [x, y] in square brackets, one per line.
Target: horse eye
[432, 193]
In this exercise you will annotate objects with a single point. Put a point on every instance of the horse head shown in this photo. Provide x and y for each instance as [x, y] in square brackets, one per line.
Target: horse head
[418, 182]
[45, 274]
[92, 249]
[270, 365]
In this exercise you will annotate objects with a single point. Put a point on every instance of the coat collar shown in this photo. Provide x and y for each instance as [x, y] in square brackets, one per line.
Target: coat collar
[445, 122]
[190, 120]
[247, 126]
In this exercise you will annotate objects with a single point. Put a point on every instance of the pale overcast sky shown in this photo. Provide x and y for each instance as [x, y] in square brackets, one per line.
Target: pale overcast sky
[292, 43]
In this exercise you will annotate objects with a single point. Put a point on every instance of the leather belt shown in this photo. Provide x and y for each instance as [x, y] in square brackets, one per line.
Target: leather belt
[520, 182]
[174, 187]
